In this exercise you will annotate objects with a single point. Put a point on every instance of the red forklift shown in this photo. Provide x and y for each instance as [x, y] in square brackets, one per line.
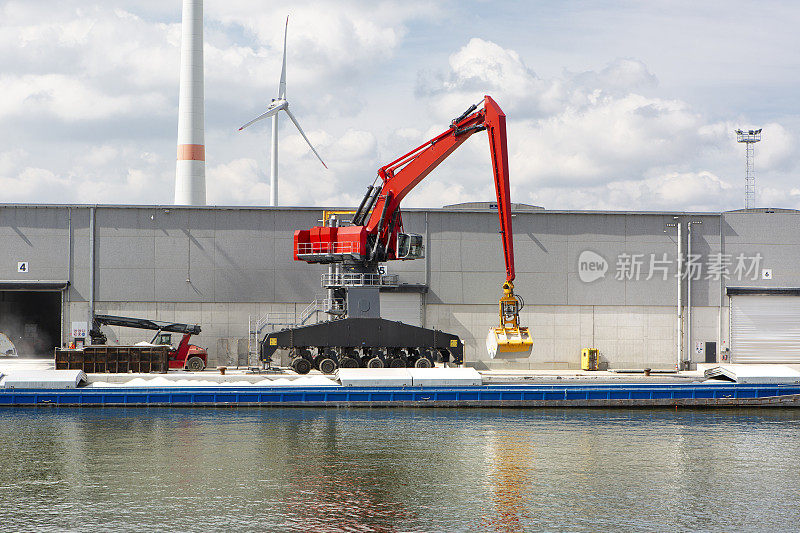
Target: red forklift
[185, 356]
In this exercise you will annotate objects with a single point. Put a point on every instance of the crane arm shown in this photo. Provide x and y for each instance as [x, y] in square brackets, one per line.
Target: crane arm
[377, 222]
[498, 145]
[406, 172]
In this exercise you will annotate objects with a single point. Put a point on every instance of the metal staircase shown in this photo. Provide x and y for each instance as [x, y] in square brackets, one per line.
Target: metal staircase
[258, 326]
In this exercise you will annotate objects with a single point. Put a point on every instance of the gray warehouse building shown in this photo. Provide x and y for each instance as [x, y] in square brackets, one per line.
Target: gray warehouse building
[647, 289]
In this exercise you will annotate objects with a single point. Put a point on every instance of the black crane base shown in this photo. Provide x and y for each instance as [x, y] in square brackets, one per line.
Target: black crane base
[362, 342]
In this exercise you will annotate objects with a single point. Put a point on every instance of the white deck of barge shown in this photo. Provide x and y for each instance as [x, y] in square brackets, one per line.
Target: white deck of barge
[287, 377]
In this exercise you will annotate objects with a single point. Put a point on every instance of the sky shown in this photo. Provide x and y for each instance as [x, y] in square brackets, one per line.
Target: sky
[621, 105]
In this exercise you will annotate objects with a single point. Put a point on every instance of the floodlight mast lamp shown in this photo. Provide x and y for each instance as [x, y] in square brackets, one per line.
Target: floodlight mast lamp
[749, 138]
[280, 104]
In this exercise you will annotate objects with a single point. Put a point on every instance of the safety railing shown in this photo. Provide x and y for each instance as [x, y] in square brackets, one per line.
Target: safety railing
[332, 306]
[334, 248]
[351, 279]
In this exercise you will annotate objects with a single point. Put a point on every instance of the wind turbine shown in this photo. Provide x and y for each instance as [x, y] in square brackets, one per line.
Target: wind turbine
[280, 104]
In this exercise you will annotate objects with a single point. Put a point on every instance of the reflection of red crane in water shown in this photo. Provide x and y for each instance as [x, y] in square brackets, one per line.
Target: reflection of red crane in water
[336, 502]
[509, 481]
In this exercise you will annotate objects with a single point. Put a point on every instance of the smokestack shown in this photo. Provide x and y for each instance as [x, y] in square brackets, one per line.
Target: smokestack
[190, 173]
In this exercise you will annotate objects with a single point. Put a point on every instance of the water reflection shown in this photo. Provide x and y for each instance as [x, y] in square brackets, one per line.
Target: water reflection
[512, 459]
[398, 470]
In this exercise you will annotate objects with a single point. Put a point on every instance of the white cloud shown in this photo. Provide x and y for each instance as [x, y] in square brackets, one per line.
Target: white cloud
[98, 156]
[621, 75]
[595, 139]
[325, 39]
[69, 99]
[777, 149]
[685, 191]
[90, 103]
[237, 182]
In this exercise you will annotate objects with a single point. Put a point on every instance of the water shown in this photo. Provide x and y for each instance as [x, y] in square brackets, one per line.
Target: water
[398, 470]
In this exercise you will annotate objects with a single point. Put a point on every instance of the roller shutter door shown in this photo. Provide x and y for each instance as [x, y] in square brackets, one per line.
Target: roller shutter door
[402, 306]
[765, 329]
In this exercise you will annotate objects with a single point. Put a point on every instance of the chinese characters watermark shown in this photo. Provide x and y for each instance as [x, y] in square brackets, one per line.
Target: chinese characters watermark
[645, 267]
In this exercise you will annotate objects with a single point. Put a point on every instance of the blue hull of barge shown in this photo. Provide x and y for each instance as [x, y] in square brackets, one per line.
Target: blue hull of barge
[569, 395]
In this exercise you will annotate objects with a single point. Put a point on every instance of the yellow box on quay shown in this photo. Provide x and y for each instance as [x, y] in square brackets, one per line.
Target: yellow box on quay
[590, 359]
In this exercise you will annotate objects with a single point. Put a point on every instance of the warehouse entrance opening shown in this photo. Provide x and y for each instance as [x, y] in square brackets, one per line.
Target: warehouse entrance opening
[31, 320]
[765, 327]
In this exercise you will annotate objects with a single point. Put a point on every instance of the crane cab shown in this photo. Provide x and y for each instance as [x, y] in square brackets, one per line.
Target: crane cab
[409, 246]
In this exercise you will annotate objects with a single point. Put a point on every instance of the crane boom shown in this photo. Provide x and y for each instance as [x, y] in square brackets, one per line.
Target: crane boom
[406, 172]
[496, 125]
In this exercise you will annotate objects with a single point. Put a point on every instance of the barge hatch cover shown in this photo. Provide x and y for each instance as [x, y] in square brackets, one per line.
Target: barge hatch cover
[754, 373]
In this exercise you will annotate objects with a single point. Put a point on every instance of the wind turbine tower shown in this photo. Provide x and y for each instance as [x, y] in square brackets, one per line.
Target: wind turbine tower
[278, 104]
[190, 171]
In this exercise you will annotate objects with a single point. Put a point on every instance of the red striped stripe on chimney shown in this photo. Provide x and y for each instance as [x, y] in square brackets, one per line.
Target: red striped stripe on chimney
[191, 152]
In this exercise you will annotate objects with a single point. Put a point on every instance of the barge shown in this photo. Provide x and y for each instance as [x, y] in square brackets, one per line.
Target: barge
[626, 395]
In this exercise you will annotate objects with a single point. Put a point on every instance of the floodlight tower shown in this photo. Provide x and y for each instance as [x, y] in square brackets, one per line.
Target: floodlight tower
[749, 138]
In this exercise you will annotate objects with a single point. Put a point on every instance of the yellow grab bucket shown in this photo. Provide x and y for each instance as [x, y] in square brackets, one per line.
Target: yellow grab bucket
[509, 343]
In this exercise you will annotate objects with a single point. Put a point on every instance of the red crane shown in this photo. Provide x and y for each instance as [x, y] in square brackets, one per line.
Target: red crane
[377, 232]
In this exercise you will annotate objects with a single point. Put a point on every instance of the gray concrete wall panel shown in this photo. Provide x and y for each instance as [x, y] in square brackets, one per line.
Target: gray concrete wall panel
[127, 284]
[607, 290]
[446, 287]
[125, 251]
[298, 285]
[244, 285]
[171, 285]
[445, 254]
[760, 227]
[117, 222]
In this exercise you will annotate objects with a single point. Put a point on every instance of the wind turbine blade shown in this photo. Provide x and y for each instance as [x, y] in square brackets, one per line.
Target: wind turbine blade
[282, 86]
[304, 136]
[271, 110]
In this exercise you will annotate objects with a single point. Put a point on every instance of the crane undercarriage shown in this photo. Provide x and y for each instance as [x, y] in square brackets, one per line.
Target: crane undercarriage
[363, 342]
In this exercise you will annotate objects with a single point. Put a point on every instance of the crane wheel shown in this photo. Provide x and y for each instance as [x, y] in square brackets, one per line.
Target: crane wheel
[348, 362]
[301, 366]
[327, 366]
[397, 362]
[195, 364]
[423, 362]
[375, 362]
